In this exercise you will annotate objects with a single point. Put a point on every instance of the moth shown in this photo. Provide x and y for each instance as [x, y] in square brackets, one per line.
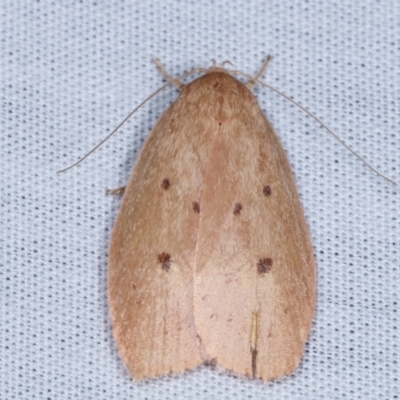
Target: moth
[211, 259]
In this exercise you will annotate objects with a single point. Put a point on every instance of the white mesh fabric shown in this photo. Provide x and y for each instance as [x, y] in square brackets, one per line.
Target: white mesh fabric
[70, 71]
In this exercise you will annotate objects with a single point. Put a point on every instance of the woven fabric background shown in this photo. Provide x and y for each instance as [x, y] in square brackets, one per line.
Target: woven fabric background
[71, 70]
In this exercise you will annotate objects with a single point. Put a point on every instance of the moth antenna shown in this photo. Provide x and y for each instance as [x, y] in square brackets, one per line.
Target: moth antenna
[175, 81]
[226, 62]
[312, 116]
[252, 82]
[115, 130]
[193, 71]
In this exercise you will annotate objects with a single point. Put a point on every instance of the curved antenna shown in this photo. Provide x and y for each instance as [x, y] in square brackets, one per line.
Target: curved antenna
[316, 119]
[129, 115]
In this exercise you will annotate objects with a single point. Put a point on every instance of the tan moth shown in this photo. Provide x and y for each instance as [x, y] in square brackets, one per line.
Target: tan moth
[210, 258]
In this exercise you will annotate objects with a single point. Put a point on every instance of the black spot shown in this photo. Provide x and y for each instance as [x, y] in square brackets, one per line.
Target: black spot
[267, 191]
[196, 207]
[165, 184]
[165, 260]
[237, 209]
[264, 265]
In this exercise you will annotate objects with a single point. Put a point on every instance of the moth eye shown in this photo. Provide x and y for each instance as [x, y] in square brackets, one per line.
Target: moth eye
[165, 260]
[264, 265]
[237, 209]
[196, 207]
[267, 190]
[165, 184]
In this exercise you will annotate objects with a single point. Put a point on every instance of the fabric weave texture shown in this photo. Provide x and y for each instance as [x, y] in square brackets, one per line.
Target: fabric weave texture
[71, 71]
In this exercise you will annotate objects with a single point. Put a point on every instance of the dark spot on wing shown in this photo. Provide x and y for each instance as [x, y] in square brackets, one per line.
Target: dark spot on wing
[264, 265]
[237, 209]
[165, 184]
[165, 260]
[267, 190]
[196, 207]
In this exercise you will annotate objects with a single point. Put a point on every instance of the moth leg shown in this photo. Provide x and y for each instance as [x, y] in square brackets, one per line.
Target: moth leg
[176, 82]
[118, 191]
[251, 83]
